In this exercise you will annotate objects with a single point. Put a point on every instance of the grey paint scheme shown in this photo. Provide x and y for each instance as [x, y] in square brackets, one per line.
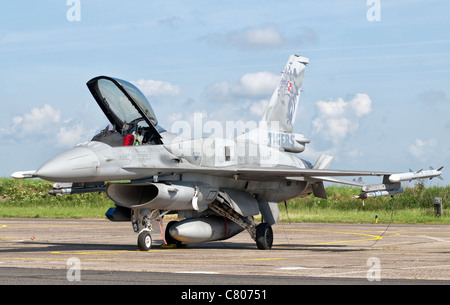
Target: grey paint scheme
[203, 180]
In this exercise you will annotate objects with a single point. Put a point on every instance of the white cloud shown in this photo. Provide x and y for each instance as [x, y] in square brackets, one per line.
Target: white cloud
[331, 108]
[37, 121]
[336, 119]
[262, 37]
[422, 148]
[46, 125]
[266, 36]
[256, 84]
[70, 136]
[155, 87]
[361, 105]
[250, 85]
[257, 108]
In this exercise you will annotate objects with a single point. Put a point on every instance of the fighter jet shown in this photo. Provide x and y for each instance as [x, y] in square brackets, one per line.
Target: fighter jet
[216, 185]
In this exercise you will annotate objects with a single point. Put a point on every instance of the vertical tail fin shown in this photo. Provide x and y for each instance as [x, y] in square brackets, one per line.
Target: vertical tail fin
[282, 106]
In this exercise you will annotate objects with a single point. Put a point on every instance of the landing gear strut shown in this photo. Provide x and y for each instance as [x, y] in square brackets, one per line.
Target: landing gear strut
[262, 234]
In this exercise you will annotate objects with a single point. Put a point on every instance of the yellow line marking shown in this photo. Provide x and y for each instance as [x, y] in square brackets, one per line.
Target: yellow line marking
[348, 241]
[415, 232]
[372, 237]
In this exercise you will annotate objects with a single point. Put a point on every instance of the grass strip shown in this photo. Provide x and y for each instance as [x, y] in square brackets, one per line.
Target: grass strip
[29, 199]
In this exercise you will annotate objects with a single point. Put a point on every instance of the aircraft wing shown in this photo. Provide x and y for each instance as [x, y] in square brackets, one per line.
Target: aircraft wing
[314, 176]
[269, 173]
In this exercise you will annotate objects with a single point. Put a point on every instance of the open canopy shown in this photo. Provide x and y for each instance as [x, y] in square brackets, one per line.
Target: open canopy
[123, 103]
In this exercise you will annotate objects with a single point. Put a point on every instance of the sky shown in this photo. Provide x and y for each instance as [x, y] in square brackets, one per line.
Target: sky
[375, 94]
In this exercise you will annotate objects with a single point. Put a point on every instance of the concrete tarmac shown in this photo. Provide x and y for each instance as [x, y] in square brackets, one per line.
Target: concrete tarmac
[302, 253]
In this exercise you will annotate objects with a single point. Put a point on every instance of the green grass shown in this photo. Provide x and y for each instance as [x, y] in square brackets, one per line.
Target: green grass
[29, 199]
[416, 205]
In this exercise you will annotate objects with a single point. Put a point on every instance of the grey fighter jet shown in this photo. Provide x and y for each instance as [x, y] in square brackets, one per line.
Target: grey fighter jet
[215, 185]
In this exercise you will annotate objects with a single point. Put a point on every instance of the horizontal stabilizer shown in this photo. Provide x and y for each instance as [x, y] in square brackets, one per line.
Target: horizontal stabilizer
[323, 162]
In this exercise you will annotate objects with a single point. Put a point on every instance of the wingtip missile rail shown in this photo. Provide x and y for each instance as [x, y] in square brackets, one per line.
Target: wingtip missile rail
[421, 174]
[392, 187]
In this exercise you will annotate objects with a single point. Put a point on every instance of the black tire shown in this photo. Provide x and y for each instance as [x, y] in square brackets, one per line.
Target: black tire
[264, 236]
[144, 241]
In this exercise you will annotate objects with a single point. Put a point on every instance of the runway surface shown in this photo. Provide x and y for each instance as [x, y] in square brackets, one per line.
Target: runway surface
[48, 251]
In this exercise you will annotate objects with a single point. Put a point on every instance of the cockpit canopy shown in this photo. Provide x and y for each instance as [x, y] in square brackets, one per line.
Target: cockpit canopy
[125, 106]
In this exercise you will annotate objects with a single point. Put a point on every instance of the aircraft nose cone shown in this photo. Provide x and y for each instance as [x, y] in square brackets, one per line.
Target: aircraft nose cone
[76, 165]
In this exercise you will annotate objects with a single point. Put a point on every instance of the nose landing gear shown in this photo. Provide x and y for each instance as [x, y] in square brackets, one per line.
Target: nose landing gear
[141, 221]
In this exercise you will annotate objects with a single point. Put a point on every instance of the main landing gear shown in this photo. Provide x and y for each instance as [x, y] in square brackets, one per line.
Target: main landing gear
[142, 220]
[264, 236]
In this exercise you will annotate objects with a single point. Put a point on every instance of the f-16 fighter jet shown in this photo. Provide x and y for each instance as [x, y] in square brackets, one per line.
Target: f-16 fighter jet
[215, 185]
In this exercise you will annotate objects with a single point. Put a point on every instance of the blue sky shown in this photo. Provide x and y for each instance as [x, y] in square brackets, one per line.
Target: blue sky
[375, 94]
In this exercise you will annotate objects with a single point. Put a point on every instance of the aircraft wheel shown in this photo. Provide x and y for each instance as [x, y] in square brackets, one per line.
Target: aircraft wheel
[264, 236]
[144, 241]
